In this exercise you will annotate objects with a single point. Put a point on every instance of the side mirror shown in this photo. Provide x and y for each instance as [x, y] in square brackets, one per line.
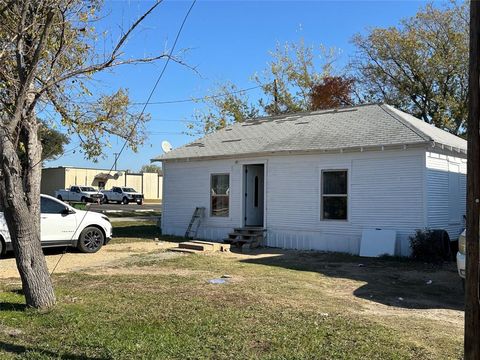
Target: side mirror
[67, 211]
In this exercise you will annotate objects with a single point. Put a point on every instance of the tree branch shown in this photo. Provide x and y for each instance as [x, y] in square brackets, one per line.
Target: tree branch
[27, 80]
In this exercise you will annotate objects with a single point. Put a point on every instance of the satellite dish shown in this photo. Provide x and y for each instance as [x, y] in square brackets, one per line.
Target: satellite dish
[166, 146]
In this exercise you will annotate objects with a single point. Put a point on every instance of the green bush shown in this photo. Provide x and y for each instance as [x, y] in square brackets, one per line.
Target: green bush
[79, 206]
[429, 245]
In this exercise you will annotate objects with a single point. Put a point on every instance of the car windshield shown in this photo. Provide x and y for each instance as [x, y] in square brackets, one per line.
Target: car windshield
[128, 190]
[87, 188]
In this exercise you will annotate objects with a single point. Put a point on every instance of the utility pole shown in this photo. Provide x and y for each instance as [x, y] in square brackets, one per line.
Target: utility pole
[115, 163]
[472, 305]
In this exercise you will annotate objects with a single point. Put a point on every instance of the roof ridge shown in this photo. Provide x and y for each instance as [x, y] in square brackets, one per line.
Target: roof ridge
[424, 136]
[306, 112]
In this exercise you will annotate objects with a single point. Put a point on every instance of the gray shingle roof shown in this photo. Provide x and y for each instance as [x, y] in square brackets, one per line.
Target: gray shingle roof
[346, 128]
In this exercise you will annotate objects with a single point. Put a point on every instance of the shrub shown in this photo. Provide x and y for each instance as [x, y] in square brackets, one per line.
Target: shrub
[79, 206]
[430, 245]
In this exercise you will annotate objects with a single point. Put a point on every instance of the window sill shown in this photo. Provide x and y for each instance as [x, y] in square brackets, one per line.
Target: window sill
[335, 220]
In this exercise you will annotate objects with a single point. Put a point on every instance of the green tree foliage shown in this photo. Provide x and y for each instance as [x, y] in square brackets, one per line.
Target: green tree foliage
[293, 81]
[53, 142]
[151, 168]
[224, 106]
[419, 66]
[290, 75]
[50, 52]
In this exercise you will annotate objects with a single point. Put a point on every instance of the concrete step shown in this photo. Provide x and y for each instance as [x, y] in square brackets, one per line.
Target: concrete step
[214, 246]
[185, 251]
[196, 246]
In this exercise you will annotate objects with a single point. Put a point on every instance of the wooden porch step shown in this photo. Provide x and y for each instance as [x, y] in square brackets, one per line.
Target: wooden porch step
[250, 230]
[244, 241]
[249, 235]
[246, 238]
[243, 244]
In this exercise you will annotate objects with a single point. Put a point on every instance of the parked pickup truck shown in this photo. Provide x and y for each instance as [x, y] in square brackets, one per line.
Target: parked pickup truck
[124, 195]
[62, 225]
[79, 193]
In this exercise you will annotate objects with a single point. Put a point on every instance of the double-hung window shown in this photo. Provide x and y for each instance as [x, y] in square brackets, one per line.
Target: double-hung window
[219, 195]
[334, 195]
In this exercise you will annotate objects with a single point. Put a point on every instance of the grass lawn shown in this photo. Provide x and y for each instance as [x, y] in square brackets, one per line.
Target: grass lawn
[276, 305]
[129, 231]
[135, 231]
[131, 214]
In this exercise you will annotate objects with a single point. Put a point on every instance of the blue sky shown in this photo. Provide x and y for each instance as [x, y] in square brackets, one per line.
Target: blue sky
[227, 40]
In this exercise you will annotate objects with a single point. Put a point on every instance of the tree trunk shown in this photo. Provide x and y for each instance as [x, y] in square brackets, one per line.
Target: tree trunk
[472, 308]
[22, 215]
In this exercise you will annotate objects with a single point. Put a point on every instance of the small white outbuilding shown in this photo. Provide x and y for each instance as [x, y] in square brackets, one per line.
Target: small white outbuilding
[317, 180]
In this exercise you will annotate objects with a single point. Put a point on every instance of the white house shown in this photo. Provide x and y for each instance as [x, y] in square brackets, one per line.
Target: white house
[316, 180]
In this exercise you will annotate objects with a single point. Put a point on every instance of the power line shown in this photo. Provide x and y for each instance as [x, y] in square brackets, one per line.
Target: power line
[200, 98]
[158, 79]
[164, 133]
[166, 102]
[176, 120]
[143, 109]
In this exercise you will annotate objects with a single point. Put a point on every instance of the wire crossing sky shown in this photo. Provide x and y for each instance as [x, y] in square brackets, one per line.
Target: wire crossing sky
[224, 41]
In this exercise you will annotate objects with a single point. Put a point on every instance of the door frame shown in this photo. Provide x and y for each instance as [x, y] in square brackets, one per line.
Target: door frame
[244, 164]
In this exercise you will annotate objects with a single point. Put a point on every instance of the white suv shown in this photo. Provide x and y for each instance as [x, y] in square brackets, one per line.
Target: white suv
[62, 225]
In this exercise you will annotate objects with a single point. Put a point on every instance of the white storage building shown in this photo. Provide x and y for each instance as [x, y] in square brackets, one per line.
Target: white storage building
[316, 180]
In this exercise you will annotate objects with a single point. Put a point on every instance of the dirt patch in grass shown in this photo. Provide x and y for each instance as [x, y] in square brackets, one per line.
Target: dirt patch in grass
[145, 302]
[110, 255]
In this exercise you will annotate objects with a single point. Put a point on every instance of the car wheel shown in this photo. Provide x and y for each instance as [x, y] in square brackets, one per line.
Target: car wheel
[125, 201]
[139, 202]
[105, 200]
[2, 248]
[59, 197]
[83, 199]
[91, 240]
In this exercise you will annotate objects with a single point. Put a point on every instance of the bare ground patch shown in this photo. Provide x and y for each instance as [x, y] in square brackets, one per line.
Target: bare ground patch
[74, 261]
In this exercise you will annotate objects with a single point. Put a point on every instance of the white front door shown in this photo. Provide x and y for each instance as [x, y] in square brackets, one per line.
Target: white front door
[254, 194]
[55, 225]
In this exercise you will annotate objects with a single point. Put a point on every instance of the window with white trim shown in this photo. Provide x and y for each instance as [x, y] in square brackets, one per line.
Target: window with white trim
[334, 195]
[219, 195]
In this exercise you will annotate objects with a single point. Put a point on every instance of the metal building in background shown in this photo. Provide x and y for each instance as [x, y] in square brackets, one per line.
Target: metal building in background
[150, 184]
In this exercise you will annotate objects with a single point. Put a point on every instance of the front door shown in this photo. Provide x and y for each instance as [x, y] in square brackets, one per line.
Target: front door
[254, 194]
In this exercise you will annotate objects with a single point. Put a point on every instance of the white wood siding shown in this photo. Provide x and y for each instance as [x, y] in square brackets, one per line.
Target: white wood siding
[446, 192]
[186, 186]
[385, 190]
